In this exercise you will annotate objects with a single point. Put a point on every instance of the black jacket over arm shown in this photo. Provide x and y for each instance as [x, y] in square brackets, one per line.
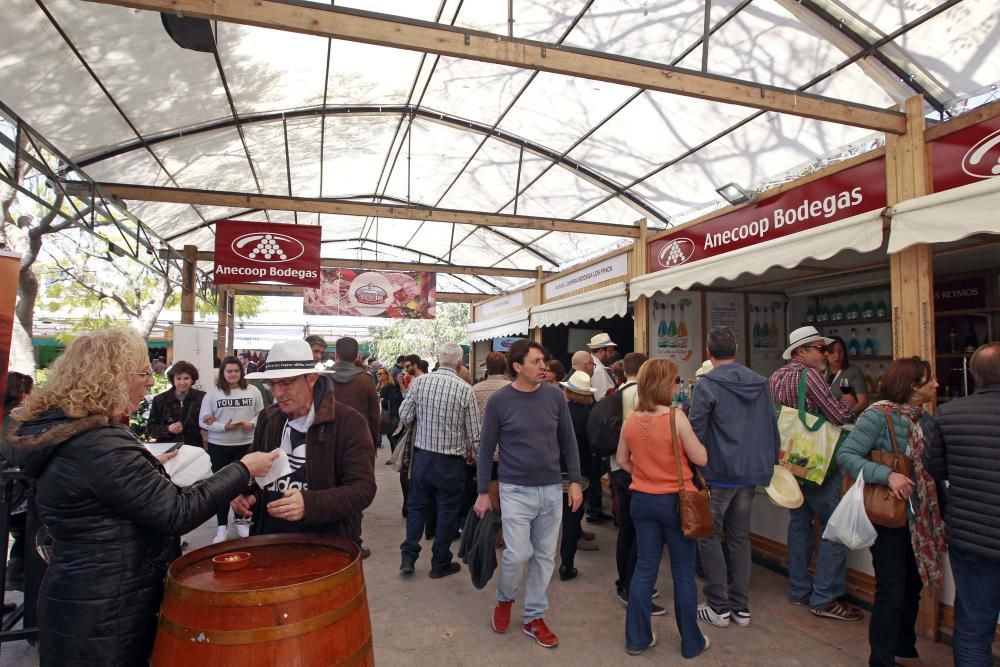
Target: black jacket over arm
[964, 448]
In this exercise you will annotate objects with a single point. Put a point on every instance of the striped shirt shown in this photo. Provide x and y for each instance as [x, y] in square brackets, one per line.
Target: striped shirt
[444, 407]
[784, 384]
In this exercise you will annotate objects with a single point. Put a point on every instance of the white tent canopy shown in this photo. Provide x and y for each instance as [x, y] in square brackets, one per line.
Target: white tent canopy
[861, 232]
[595, 305]
[947, 216]
[511, 324]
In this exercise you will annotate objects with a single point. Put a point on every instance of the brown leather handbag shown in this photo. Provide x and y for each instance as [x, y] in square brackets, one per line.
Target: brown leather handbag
[884, 508]
[694, 508]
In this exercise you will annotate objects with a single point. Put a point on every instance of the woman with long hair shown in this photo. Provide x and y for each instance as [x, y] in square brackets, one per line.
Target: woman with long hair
[390, 399]
[107, 502]
[842, 377]
[646, 451]
[173, 416]
[554, 371]
[229, 414]
[908, 558]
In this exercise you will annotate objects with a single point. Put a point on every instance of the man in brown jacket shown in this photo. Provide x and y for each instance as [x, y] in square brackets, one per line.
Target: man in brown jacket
[354, 386]
[330, 454]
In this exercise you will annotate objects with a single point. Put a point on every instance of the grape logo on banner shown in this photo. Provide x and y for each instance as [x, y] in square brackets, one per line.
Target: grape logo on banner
[676, 252]
[268, 247]
[983, 159]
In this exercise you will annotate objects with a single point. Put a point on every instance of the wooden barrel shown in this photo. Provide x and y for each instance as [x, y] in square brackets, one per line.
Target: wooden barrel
[300, 601]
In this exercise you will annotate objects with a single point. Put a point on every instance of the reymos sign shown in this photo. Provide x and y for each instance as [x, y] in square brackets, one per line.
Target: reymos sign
[835, 197]
[255, 252]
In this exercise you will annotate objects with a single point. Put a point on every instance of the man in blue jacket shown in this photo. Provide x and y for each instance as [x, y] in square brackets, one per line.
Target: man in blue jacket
[733, 416]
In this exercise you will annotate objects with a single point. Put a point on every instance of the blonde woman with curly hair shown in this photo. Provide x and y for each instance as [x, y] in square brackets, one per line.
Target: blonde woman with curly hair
[107, 502]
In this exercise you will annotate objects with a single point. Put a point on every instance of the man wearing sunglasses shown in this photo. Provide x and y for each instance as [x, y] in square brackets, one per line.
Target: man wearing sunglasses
[807, 353]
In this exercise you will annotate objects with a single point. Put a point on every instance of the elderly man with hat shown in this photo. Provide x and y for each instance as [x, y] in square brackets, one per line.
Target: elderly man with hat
[331, 474]
[806, 355]
[601, 348]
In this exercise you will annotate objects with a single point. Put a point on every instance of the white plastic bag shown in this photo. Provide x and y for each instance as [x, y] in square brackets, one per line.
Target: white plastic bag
[849, 524]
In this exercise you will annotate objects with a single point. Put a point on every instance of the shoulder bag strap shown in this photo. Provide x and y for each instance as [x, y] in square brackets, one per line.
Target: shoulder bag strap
[677, 447]
[892, 431]
[820, 418]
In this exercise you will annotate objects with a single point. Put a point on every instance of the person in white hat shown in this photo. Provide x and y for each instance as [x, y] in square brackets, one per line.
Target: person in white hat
[601, 348]
[806, 354]
[331, 476]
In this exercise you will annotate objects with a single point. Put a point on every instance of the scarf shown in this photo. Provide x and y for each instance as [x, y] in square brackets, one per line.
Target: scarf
[927, 533]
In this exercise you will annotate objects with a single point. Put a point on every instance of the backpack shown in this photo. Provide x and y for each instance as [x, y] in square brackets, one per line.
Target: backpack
[604, 426]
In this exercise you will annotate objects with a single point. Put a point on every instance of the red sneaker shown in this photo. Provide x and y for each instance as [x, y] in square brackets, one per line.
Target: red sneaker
[541, 633]
[501, 616]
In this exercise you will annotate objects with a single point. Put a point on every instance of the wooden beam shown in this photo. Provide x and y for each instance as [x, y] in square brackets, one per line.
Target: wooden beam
[294, 290]
[360, 209]
[189, 271]
[453, 269]
[426, 37]
[640, 309]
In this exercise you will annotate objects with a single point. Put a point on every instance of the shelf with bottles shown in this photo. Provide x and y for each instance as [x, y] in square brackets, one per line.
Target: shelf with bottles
[851, 307]
[959, 335]
[870, 320]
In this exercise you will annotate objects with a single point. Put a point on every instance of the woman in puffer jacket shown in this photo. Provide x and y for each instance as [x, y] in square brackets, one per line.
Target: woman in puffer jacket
[113, 513]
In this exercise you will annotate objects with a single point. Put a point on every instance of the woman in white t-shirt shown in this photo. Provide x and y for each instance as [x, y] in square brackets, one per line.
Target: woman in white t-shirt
[229, 414]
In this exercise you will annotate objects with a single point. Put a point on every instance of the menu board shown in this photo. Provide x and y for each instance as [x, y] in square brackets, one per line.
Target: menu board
[675, 330]
[725, 309]
[767, 336]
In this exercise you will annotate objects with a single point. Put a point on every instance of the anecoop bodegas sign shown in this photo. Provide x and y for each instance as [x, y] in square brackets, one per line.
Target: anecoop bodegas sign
[835, 197]
[255, 252]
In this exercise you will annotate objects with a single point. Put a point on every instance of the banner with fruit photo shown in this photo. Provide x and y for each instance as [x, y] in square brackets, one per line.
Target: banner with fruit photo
[361, 293]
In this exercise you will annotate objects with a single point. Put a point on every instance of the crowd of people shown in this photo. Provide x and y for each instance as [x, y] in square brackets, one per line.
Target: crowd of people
[520, 446]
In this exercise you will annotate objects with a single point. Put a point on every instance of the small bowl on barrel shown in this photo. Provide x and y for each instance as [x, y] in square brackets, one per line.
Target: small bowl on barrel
[233, 560]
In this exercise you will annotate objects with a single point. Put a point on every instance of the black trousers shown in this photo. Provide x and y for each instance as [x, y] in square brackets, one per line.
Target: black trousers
[897, 598]
[595, 494]
[436, 486]
[625, 554]
[221, 456]
[571, 530]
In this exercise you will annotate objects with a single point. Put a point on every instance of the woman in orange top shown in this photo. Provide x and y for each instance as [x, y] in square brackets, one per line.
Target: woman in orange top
[647, 452]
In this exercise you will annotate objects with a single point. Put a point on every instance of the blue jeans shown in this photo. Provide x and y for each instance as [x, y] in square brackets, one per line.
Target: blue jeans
[828, 583]
[977, 604]
[530, 516]
[437, 485]
[657, 522]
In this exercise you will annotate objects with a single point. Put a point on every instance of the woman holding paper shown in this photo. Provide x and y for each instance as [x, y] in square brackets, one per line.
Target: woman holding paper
[229, 414]
[114, 514]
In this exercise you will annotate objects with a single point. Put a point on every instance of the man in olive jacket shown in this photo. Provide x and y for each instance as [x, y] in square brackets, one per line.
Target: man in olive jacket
[964, 449]
[329, 448]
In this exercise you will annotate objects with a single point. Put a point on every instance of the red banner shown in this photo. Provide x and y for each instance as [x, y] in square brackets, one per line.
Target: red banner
[835, 197]
[361, 293]
[10, 266]
[256, 252]
[966, 156]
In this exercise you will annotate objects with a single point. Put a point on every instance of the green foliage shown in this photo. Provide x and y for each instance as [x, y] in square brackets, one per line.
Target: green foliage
[139, 420]
[247, 305]
[421, 337]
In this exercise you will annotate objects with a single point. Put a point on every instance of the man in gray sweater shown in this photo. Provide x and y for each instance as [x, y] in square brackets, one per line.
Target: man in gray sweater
[963, 447]
[733, 416]
[532, 420]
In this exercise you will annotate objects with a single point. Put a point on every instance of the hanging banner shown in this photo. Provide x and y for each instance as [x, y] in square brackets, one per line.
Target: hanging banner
[256, 252]
[675, 330]
[361, 293]
[966, 156]
[608, 269]
[10, 266]
[836, 197]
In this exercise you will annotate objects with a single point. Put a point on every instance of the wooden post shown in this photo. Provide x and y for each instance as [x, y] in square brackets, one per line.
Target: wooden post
[222, 310]
[231, 321]
[640, 308]
[536, 333]
[188, 270]
[912, 277]
[472, 344]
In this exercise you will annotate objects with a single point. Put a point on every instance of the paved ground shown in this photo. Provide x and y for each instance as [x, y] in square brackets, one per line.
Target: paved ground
[420, 621]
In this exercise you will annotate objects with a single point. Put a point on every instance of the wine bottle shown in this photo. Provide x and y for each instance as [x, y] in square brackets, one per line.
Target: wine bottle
[672, 328]
[853, 348]
[881, 310]
[870, 344]
[756, 327]
[952, 340]
[853, 312]
[837, 312]
[823, 314]
[868, 308]
[682, 331]
[661, 331]
[971, 339]
[810, 313]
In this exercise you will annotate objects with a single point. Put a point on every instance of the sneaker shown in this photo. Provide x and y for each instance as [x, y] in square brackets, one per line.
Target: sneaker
[450, 568]
[501, 616]
[842, 611]
[801, 602]
[406, 566]
[365, 552]
[742, 617]
[708, 615]
[221, 533]
[657, 610]
[637, 651]
[541, 633]
[622, 596]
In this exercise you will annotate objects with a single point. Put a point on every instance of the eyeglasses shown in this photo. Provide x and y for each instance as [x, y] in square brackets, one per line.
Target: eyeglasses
[144, 375]
[821, 348]
[271, 385]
